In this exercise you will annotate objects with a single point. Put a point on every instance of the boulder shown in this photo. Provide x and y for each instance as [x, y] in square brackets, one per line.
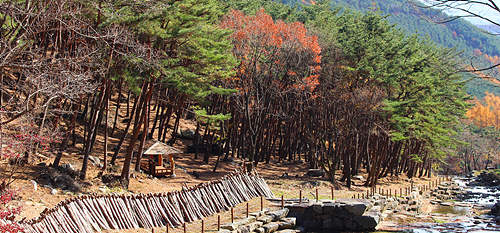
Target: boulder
[287, 223]
[270, 227]
[315, 172]
[369, 220]
[278, 214]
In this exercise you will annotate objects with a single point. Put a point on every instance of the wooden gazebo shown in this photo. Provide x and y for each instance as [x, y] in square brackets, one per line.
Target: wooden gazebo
[154, 155]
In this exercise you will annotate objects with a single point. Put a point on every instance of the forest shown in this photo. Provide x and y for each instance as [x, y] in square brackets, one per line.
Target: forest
[343, 90]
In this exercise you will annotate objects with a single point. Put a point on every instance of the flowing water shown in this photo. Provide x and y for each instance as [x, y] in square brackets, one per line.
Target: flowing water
[458, 218]
[462, 219]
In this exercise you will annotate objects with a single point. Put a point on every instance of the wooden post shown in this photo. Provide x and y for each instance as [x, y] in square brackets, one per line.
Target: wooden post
[152, 230]
[282, 202]
[317, 196]
[390, 192]
[232, 214]
[218, 222]
[167, 227]
[300, 196]
[333, 196]
[358, 195]
[411, 186]
[185, 229]
[261, 203]
[202, 226]
[247, 209]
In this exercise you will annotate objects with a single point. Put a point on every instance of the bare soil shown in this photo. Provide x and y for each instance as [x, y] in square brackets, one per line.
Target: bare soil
[35, 181]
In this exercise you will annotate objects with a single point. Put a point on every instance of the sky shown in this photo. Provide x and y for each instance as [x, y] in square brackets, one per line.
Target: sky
[483, 11]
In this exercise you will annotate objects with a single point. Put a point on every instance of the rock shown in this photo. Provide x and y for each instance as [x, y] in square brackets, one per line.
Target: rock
[315, 172]
[356, 208]
[260, 230]
[253, 226]
[286, 231]
[67, 166]
[259, 213]
[330, 207]
[278, 214]
[53, 191]
[243, 229]
[368, 220]
[358, 177]
[43, 164]
[35, 186]
[318, 207]
[287, 223]
[270, 227]
[96, 161]
[230, 226]
[188, 134]
[265, 219]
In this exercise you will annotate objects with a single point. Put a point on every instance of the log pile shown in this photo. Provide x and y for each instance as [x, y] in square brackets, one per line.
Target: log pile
[102, 212]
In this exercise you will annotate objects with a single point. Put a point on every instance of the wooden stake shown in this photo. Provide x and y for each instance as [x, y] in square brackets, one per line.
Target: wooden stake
[300, 196]
[261, 203]
[218, 222]
[247, 209]
[202, 226]
[185, 229]
[282, 202]
[232, 214]
[333, 196]
[317, 196]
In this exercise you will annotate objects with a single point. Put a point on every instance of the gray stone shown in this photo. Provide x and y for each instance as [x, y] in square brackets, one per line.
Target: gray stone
[356, 208]
[265, 219]
[279, 214]
[327, 223]
[270, 227]
[255, 225]
[226, 231]
[259, 213]
[350, 224]
[330, 207]
[337, 223]
[53, 191]
[315, 172]
[94, 160]
[67, 166]
[368, 220]
[230, 226]
[260, 230]
[287, 223]
[243, 229]
[318, 207]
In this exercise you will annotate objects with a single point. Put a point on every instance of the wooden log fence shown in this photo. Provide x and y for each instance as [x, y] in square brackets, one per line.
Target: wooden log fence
[102, 212]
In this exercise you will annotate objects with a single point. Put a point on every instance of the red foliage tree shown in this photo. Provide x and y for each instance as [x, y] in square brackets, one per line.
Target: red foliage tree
[276, 75]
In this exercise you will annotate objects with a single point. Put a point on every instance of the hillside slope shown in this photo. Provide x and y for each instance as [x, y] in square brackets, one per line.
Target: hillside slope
[459, 33]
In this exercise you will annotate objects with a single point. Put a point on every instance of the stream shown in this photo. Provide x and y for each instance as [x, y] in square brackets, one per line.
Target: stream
[459, 217]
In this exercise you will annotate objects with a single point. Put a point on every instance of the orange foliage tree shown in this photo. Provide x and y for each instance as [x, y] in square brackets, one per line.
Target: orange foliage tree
[276, 75]
[486, 112]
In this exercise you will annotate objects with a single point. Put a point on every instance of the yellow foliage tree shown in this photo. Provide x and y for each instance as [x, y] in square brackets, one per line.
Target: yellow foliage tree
[486, 112]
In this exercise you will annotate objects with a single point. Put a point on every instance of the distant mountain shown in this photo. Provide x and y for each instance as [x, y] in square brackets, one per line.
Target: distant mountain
[491, 28]
[458, 33]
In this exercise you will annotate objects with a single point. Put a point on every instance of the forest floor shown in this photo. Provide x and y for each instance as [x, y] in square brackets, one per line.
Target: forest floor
[34, 201]
[37, 191]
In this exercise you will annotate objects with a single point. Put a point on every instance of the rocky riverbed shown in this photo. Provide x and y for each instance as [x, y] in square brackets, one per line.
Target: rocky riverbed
[456, 205]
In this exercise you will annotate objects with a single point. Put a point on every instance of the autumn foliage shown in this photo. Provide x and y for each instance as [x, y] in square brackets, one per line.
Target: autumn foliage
[263, 45]
[486, 112]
